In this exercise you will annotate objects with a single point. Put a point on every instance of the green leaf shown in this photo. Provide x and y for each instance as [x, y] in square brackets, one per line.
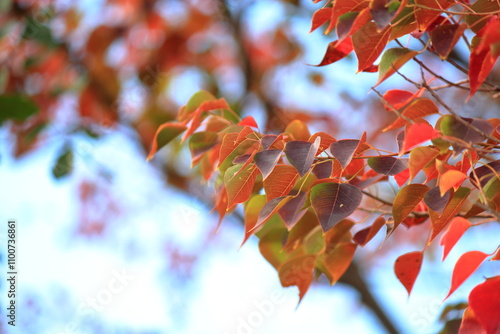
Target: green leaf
[64, 163]
[392, 60]
[38, 31]
[16, 107]
[165, 133]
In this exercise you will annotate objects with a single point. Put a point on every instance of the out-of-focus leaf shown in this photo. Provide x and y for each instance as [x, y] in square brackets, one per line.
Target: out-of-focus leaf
[64, 163]
[16, 107]
[298, 129]
[338, 258]
[365, 235]
[298, 271]
[484, 300]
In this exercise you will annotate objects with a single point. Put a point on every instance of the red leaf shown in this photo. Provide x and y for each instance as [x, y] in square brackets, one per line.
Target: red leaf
[320, 17]
[465, 266]
[369, 43]
[351, 22]
[484, 300]
[418, 109]
[470, 324]
[455, 230]
[418, 133]
[399, 98]
[365, 235]
[280, 181]
[342, 7]
[336, 51]
[402, 177]
[200, 114]
[407, 267]
[248, 121]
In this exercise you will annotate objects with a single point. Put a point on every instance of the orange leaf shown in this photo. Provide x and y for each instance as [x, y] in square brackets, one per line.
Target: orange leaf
[280, 181]
[200, 113]
[451, 179]
[465, 266]
[484, 300]
[406, 200]
[418, 109]
[365, 235]
[425, 17]
[421, 157]
[455, 230]
[239, 183]
[407, 267]
[338, 258]
[369, 43]
[298, 271]
[439, 222]
[248, 121]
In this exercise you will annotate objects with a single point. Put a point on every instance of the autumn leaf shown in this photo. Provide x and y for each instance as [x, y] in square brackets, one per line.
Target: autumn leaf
[455, 230]
[365, 235]
[415, 111]
[338, 258]
[298, 130]
[418, 133]
[465, 266]
[248, 121]
[320, 17]
[421, 157]
[251, 214]
[343, 150]
[165, 133]
[406, 200]
[480, 176]
[392, 60]
[333, 202]
[484, 300]
[407, 267]
[445, 37]
[425, 17]
[292, 211]
[369, 43]
[301, 154]
[450, 179]
[440, 221]
[239, 183]
[298, 271]
[351, 22]
[388, 165]
[280, 181]
[435, 201]
[267, 160]
[336, 50]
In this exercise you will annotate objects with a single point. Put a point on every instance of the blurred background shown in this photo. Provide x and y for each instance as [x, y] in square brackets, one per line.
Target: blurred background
[110, 243]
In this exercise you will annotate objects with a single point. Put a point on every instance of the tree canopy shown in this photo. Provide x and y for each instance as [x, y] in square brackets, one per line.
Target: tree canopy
[424, 155]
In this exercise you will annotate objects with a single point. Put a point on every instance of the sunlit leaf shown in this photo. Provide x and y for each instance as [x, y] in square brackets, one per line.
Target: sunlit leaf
[336, 50]
[280, 181]
[338, 258]
[298, 271]
[165, 133]
[455, 231]
[421, 157]
[407, 267]
[450, 179]
[418, 133]
[320, 17]
[298, 130]
[484, 300]
[239, 183]
[417, 109]
[440, 221]
[392, 60]
[406, 200]
[369, 43]
[465, 266]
